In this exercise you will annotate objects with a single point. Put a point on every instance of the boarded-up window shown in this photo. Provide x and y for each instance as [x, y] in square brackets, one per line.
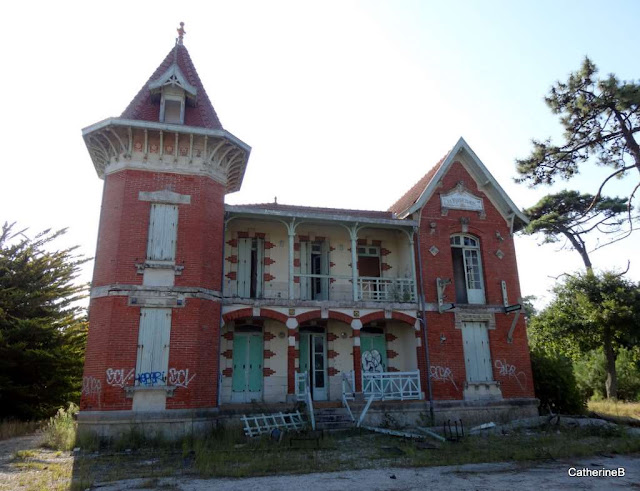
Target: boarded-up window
[153, 347]
[163, 226]
[477, 355]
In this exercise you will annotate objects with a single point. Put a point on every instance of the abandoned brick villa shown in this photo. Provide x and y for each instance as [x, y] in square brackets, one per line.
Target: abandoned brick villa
[199, 310]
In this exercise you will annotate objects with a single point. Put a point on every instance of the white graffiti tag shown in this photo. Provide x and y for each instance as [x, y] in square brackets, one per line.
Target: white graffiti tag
[442, 374]
[180, 378]
[117, 378]
[91, 386]
[506, 370]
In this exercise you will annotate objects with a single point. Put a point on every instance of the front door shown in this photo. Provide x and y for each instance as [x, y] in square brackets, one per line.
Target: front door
[373, 351]
[313, 360]
[246, 383]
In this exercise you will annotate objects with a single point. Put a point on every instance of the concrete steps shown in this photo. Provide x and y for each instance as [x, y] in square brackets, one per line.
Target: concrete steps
[333, 419]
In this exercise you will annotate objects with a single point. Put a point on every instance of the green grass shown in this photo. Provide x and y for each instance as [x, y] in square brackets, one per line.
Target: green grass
[616, 408]
[227, 453]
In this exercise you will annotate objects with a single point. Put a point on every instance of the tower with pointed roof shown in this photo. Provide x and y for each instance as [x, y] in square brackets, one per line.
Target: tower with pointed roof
[155, 309]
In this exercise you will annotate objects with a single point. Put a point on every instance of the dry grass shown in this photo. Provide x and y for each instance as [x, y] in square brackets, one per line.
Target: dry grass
[12, 429]
[616, 408]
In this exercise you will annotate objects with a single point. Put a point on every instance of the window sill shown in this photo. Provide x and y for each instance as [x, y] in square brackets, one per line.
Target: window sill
[132, 389]
[169, 265]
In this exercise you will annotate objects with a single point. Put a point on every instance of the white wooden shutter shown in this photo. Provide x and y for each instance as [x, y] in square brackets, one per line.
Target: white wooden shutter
[244, 268]
[163, 226]
[153, 342]
[477, 354]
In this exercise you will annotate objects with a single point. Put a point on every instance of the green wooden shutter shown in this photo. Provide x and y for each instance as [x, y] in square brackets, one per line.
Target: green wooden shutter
[239, 382]
[255, 363]
[304, 353]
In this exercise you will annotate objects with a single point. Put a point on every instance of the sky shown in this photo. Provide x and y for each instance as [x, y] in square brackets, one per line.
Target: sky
[345, 103]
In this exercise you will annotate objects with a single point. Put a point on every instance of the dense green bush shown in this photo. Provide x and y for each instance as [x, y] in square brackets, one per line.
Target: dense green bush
[591, 375]
[555, 384]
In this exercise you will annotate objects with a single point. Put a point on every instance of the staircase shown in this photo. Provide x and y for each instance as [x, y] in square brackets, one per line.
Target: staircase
[333, 418]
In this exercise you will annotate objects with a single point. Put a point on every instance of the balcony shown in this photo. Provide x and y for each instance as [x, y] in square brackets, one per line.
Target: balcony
[386, 289]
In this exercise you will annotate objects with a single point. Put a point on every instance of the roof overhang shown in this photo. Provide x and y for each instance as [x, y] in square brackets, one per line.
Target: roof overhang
[225, 157]
[285, 215]
[486, 182]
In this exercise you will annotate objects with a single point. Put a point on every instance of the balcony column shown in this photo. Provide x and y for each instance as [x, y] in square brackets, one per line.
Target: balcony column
[291, 231]
[353, 233]
[413, 265]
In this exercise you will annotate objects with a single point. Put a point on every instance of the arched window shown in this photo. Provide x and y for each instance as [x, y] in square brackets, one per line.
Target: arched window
[467, 269]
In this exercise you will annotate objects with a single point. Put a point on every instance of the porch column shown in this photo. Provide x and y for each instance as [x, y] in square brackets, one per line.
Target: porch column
[422, 361]
[292, 328]
[356, 325]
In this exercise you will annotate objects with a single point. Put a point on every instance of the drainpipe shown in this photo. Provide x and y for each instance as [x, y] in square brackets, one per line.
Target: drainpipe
[224, 232]
[424, 331]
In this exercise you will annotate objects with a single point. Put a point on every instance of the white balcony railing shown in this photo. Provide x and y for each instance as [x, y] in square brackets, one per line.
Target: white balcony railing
[392, 386]
[386, 289]
[301, 386]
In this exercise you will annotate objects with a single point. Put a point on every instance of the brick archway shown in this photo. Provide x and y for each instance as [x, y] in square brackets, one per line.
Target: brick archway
[317, 315]
[248, 313]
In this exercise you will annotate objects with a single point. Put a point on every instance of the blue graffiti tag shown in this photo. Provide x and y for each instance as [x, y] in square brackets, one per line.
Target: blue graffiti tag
[150, 378]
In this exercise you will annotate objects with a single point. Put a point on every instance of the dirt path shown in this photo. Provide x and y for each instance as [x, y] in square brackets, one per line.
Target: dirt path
[507, 476]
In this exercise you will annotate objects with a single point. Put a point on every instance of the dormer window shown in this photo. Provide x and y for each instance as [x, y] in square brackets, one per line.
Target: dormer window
[172, 109]
[173, 92]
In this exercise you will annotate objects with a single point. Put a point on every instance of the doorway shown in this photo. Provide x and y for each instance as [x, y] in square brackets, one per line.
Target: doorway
[246, 385]
[313, 360]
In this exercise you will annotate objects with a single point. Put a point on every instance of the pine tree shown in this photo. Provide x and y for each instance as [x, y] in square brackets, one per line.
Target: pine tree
[42, 327]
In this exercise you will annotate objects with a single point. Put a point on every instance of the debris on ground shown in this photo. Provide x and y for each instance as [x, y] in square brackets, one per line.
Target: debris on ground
[402, 434]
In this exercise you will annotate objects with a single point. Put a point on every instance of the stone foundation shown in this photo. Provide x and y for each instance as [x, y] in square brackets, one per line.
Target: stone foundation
[173, 424]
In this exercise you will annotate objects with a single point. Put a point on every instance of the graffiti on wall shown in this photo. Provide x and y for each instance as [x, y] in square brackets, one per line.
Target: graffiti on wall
[91, 386]
[180, 378]
[117, 377]
[372, 362]
[149, 379]
[442, 374]
[507, 370]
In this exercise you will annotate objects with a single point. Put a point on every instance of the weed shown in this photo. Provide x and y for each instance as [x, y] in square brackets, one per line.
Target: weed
[60, 432]
[12, 428]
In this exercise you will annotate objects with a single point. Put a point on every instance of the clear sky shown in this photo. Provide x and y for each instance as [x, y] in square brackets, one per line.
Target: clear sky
[345, 103]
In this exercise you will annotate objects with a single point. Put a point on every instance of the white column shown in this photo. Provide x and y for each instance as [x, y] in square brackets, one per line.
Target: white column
[413, 268]
[354, 261]
[291, 231]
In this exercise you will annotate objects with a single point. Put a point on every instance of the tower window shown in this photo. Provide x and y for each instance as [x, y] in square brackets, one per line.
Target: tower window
[172, 109]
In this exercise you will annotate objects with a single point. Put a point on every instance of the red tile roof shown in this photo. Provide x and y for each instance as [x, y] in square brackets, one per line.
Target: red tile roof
[312, 209]
[202, 115]
[410, 197]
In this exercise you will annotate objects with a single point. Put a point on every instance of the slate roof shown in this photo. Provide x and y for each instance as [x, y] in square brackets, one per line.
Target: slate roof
[201, 115]
[411, 196]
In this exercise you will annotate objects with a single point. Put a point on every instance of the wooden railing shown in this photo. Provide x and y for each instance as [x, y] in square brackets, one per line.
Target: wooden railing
[392, 386]
[386, 289]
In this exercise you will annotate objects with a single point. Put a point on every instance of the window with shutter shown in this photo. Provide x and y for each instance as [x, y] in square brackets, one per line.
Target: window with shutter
[153, 347]
[163, 227]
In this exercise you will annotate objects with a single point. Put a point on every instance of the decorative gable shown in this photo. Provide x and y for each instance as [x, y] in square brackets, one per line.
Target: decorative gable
[460, 198]
[173, 77]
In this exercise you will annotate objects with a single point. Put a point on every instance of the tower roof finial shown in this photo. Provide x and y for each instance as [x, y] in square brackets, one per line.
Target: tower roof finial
[181, 33]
